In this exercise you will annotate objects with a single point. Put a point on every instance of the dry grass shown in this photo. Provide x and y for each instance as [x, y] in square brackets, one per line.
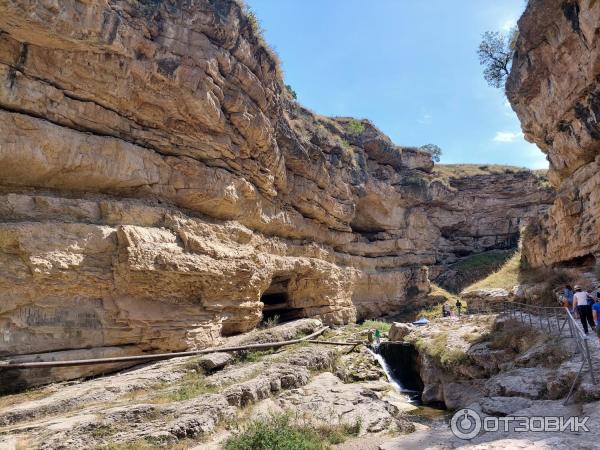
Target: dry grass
[513, 335]
[30, 395]
[437, 347]
[431, 312]
[470, 170]
[506, 277]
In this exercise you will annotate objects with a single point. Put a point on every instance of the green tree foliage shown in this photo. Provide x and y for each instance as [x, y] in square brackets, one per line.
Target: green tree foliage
[434, 150]
[495, 55]
[291, 91]
[355, 127]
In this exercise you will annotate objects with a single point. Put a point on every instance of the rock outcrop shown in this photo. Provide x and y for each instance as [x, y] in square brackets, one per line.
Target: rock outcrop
[156, 182]
[554, 88]
[486, 208]
[180, 403]
[159, 188]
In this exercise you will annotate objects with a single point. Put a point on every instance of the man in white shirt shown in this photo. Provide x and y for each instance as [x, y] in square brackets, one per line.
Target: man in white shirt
[580, 301]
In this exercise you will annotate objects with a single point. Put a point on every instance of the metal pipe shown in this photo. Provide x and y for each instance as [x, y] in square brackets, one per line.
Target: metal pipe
[159, 356]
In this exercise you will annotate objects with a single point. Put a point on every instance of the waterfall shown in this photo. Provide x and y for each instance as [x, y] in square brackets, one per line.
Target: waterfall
[399, 362]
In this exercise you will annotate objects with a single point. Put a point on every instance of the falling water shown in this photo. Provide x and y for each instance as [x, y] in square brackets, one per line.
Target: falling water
[413, 395]
[386, 369]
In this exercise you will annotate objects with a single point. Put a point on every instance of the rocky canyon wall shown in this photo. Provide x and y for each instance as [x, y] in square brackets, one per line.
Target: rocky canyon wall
[160, 189]
[554, 87]
[157, 180]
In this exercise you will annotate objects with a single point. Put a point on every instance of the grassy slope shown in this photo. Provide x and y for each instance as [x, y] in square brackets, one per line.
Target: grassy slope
[505, 277]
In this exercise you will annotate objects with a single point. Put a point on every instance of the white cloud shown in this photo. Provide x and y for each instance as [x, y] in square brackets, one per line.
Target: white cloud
[508, 25]
[507, 104]
[425, 119]
[507, 136]
[534, 158]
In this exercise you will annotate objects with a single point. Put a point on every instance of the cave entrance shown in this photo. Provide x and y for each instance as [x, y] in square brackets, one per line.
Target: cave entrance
[276, 302]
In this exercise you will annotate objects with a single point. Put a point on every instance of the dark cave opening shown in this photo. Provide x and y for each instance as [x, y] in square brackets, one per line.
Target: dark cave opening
[403, 365]
[276, 302]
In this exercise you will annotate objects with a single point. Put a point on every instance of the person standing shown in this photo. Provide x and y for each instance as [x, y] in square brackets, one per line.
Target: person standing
[596, 315]
[580, 301]
[568, 295]
[458, 306]
[377, 336]
[445, 310]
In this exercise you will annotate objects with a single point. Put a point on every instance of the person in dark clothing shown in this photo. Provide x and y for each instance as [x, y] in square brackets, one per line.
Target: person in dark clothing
[458, 306]
[445, 310]
[580, 301]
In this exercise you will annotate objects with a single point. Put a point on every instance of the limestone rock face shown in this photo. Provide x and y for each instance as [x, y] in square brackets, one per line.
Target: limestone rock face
[398, 330]
[159, 189]
[486, 207]
[554, 89]
[156, 183]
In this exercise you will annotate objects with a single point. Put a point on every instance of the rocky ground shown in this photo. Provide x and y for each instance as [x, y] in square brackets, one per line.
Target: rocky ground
[199, 401]
[493, 366]
[497, 367]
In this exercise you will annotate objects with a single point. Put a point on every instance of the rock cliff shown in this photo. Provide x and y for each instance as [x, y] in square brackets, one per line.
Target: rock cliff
[157, 181]
[554, 87]
[487, 207]
[159, 189]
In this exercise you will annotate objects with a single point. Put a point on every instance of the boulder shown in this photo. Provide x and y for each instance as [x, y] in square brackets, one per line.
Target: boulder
[459, 394]
[214, 361]
[503, 406]
[491, 360]
[398, 330]
[523, 382]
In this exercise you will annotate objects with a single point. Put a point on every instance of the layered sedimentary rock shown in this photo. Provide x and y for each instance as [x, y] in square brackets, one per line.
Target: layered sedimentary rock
[554, 87]
[487, 208]
[156, 181]
[159, 188]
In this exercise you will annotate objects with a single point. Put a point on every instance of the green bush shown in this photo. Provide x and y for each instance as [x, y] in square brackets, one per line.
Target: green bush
[291, 91]
[376, 324]
[280, 433]
[270, 322]
[355, 127]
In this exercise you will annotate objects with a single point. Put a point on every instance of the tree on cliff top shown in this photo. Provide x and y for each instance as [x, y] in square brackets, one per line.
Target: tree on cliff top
[495, 54]
[434, 150]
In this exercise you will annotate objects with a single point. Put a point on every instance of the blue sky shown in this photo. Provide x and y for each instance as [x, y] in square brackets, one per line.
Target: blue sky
[410, 66]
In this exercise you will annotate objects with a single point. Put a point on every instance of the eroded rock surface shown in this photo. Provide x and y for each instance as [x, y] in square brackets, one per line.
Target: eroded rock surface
[554, 89]
[159, 189]
[177, 403]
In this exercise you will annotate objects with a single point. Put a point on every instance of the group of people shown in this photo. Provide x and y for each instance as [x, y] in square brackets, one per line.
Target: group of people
[447, 311]
[586, 304]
